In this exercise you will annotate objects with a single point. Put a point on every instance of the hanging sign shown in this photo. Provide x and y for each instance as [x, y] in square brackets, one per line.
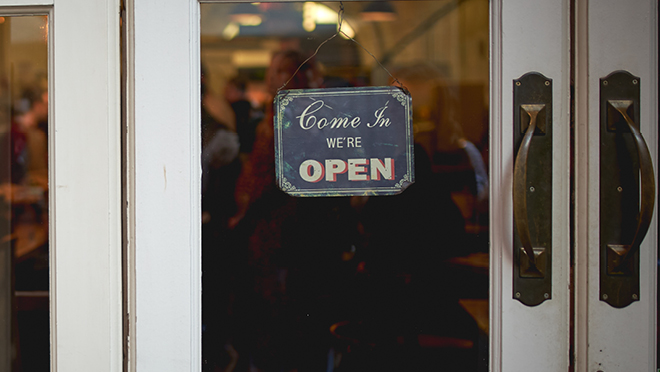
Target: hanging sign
[344, 141]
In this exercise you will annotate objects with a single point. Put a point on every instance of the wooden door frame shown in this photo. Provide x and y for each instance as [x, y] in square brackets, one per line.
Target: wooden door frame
[165, 220]
[610, 37]
[84, 180]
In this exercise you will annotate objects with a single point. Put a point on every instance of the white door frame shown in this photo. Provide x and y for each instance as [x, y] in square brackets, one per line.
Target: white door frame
[613, 35]
[164, 222]
[166, 217]
[84, 181]
[528, 36]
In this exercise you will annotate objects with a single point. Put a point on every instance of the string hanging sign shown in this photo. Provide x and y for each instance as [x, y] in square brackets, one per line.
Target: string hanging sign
[343, 141]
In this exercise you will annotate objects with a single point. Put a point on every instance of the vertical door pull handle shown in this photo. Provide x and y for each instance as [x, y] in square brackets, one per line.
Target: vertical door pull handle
[647, 199]
[627, 188]
[532, 189]
[520, 188]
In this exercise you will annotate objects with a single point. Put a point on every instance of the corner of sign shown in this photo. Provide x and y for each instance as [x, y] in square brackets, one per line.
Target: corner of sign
[404, 90]
[281, 94]
[404, 185]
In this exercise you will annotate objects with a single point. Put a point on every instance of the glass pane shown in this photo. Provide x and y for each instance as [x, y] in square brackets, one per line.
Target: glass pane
[24, 271]
[346, 283]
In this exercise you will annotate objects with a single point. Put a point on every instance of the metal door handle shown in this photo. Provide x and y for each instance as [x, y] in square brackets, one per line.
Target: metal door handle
[647, 200]
[520, 188]
[532, 189]
[627, 188]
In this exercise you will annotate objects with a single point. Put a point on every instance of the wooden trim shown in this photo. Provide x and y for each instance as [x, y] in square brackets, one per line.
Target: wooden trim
[25, 3]
[166, 219]
[129, 190]
[581, 184]
[497, 209]
[85, 186]
[521, 335]
[26, 10]
[596, 323]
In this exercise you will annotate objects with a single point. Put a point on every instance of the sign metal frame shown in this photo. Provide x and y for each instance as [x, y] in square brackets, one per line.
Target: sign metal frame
[299, 133]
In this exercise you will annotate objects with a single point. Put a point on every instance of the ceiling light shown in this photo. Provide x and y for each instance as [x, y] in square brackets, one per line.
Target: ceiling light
[378, 11]
[246, 14]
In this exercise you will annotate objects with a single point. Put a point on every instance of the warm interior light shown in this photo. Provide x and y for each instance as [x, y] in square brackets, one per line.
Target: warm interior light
[248, 20]
[231, 31]
[246, 14]
[347, 31]
[321, 14]
[251, 58]
[309, 25]
[44, 29]
[318, 14]
[378, 11]
[309, 20]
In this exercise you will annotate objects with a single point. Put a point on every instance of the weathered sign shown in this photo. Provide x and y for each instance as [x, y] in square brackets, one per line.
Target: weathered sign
[344, 141]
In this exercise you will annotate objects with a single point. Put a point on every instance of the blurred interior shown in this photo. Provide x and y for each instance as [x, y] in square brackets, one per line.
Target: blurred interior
[357, 283]
[24, 263]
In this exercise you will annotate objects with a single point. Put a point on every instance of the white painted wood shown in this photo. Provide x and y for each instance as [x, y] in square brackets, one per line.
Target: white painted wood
[85, 186]
[528, 36]
[129, 189]
[581, 184]
[84, 162]
[84, 178]
[166, 185]
[619, 36]
[498, 212]
[26, 3]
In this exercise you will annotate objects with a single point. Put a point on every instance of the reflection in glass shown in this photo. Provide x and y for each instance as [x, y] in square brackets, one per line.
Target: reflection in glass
[24, 264]
[350, 283]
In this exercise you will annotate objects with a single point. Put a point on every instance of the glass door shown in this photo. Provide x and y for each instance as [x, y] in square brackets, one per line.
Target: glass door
[437, 49]
[356, 282]
[25, 193]
[184, 56]
[60, 187]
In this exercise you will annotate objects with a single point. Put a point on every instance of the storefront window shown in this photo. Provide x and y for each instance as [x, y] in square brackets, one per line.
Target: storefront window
[24, 257]
[355, 283]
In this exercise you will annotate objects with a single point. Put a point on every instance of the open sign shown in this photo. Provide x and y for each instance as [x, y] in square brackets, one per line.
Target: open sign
[344, 141]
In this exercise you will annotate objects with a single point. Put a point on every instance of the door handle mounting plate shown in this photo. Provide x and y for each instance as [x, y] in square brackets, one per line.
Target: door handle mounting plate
[532, 189]
[627, 188]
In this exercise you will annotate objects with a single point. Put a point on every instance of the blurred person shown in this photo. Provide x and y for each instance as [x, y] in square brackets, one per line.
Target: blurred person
[275, 333]
[34, 125]
[220, 148]
[423, 226]
[401, 287]
[14, 143]
[247, 117]
[24, 182]
[220, 169]
[258, 175]
[450, 140]
[24, 190]
[438, 127]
